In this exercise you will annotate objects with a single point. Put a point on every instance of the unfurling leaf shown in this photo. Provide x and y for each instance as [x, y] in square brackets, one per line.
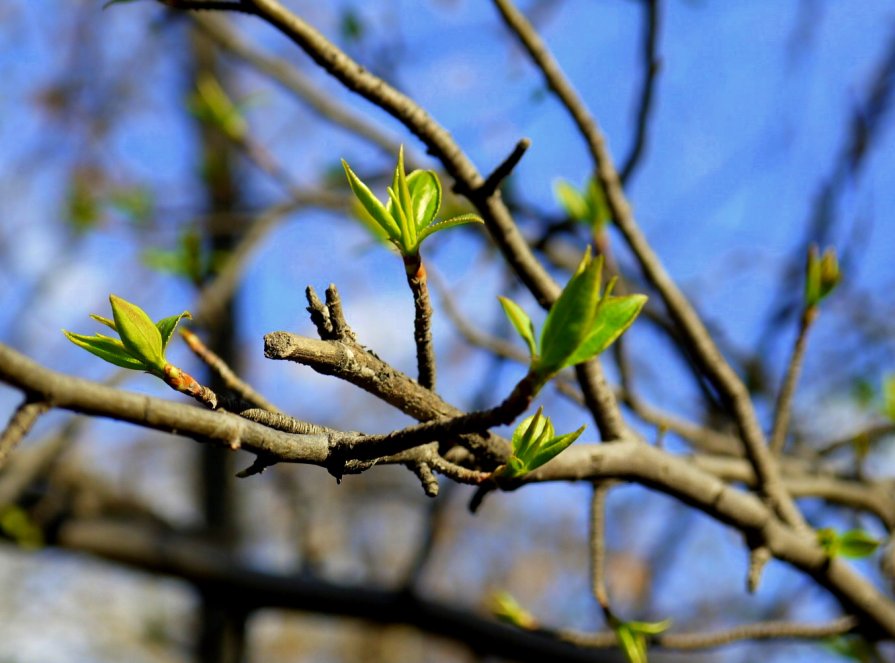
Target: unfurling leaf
[857, 543]
[507, 609]
[142, 344]
[889, 397]
[438, 226]
[822, 275]
[571, 317]
[425, 193]
[632, 637]
[138, 333]
[371, 203]
[853, 544]
[614, 316]
[110, 349]
[521, 323]
[409, 214]
[534, 444]
[574, 204]
[166, 326]
[589, 207]
[581, 324]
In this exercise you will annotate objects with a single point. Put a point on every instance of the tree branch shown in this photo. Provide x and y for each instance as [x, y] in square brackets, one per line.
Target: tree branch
[695, 333]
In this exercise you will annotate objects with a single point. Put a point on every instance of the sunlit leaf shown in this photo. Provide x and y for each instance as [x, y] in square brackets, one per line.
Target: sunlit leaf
[110, 349]
[600, 214]
[425, 192]
[571, 317]
[889, 397]
[521, 322]
[857, 543]
[571, 200]
[448, 223]
[614, 316]
[166, 326]
[371, 203]
[552, 448]
[138, 333]
[507, 609]
[108, 323]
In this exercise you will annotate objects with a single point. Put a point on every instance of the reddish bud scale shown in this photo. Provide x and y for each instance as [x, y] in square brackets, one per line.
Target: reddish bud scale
[415, 268]
[186, 384]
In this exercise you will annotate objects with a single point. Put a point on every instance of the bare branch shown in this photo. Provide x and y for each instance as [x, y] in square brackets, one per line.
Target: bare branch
[19, 424]
[650, 64]
[757, 631]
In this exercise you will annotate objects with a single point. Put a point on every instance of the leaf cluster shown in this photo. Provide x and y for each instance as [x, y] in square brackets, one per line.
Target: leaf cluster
[408, 216]
[822, 275]
[534, 443]
[581, 324]
[142, 342]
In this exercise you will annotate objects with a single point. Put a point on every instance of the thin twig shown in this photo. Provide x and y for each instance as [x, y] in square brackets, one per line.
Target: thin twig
[233, 382]
[783, 408]
[341, 330]
[210, 5]
[650, 65]
[867, 436]
[422, 320]
[598, 547]
[777, 630]
[284, 73]
[19, 424]
[494, 180]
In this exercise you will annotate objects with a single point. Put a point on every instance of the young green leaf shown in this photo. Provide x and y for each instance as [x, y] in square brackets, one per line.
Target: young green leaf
[371, 203]
[822, 275]
[433, 228]
[108, 323]
[828, 539]
[632, 644]
[632, 637]
[535, 443]
[889, 397]
[600, 215]
[521, 323]
[507, 609]
[571, 317]
[406, 242]
[403, 192]
[552, 448]
[530, 432]
[166, 326]
[109, 349]
[614, 316]
[571, 200]
[857, 543]
[138, 333]
[425, 192]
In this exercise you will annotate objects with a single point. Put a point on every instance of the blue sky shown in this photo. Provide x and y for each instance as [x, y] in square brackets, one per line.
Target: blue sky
[754, 103]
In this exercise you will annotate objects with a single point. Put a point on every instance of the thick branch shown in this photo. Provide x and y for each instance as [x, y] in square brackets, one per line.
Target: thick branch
[230, 582]
[19, 424]
[93, 398]
[680, 478]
